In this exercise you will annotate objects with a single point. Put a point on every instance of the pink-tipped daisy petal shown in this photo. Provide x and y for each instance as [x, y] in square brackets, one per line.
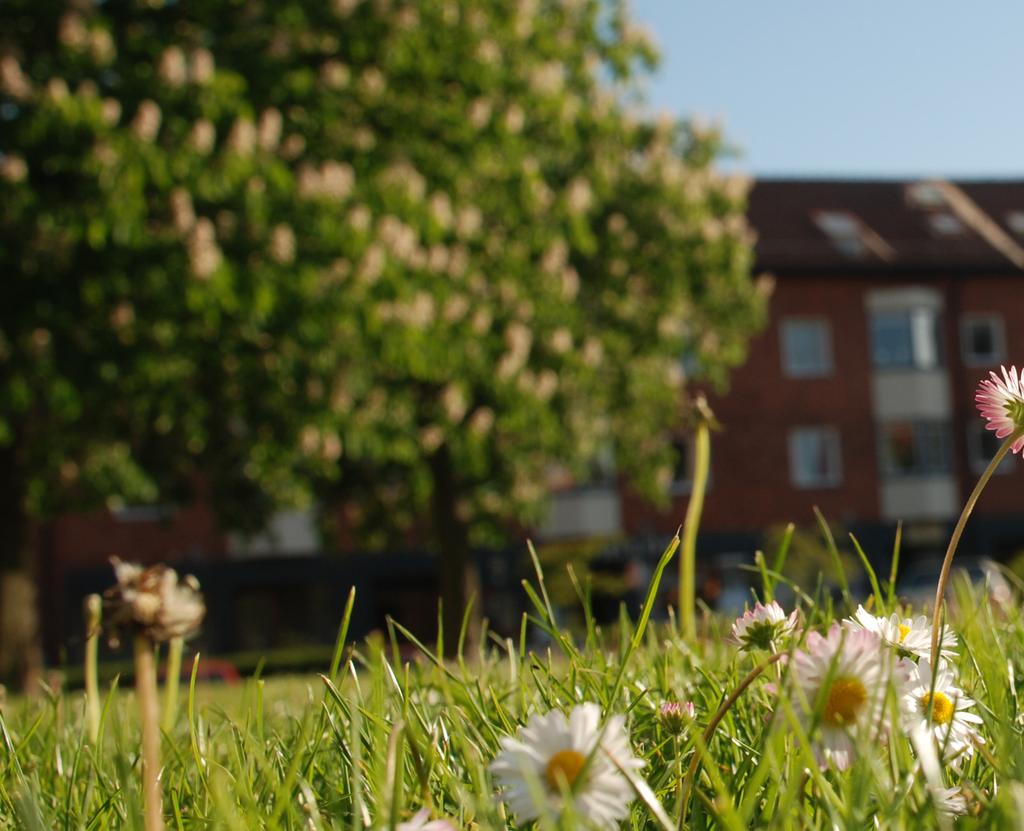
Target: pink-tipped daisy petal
[1001, 402]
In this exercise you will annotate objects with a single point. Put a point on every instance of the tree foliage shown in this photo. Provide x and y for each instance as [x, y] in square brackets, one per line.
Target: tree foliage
[311, 248]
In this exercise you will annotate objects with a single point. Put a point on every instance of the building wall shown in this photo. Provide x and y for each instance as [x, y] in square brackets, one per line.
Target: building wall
[181, 534]
[751, 487]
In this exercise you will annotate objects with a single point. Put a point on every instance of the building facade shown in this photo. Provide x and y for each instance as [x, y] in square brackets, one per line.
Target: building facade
[892, 301]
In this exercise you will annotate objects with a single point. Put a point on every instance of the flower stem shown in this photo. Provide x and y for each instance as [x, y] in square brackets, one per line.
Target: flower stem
[149, 712]
[174, 649]
[688, 561]
[93, 613]
[709, 731]
[958, 530]
[678, 754]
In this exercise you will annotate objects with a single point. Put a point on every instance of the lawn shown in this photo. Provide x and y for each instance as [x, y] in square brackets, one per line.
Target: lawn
[377, 739]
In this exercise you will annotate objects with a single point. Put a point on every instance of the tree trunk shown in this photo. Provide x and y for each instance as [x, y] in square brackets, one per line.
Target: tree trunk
[20, 655]
[457, 575]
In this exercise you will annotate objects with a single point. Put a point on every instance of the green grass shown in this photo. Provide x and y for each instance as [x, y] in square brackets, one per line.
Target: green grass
[366, 745]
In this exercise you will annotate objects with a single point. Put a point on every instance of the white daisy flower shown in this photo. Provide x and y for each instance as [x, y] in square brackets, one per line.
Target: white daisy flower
[552, 753]
[421, 821]
[1001, 402]
[908, 636]
[945, 705]
[763, 627]
[843, 677]
[948, 802]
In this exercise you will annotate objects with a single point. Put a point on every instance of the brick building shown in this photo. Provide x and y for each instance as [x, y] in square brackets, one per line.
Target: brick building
[892, 299]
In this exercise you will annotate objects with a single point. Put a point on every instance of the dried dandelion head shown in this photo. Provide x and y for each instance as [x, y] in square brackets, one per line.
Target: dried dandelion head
[151, 601]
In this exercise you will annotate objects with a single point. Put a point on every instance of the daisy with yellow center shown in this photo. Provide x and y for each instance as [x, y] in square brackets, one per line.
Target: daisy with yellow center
[941, 708]
[842, 678]
[553, 756]
[908, 636]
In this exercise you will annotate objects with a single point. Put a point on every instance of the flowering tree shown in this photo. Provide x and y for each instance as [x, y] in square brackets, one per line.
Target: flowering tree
[406, 254]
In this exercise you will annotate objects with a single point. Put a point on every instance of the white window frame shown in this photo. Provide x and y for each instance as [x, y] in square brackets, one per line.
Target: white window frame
[825, 367]
[834, 453]
[976, 460]
[998, 338]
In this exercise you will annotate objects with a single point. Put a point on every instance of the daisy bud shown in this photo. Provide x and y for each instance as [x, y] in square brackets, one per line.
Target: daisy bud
[763, 627]
[675, 715]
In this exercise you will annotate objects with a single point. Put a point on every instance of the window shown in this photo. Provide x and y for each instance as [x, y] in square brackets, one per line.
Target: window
[981, 340]
[844, 230]
[682, 475]
[686, 458]
[601, 470]
[1015, 219]
[944, 224]
[906, 338]
[914, 448]
[850, 236]
[925, 195]
[814, 457]
[806, 348]
[982, 445]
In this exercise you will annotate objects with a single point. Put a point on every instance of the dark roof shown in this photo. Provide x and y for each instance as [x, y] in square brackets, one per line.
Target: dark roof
[896, 225]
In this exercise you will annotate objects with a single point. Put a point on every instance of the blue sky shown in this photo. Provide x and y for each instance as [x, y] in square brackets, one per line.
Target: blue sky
[849, 87]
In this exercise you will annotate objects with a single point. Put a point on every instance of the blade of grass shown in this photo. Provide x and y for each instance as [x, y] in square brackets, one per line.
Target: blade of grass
[645, 615]
[767, 588]
[837, 560]
[894, 566]
[339, 641]
[872, 578]
[783, 551]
